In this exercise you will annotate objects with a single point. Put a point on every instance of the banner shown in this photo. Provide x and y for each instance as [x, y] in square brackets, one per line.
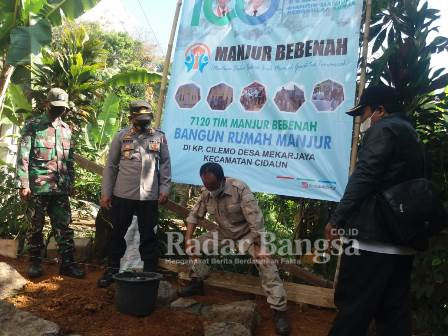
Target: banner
[261, 87]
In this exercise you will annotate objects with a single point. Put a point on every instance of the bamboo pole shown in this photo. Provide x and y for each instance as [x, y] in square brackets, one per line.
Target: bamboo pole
[361, 85]
[167, 65]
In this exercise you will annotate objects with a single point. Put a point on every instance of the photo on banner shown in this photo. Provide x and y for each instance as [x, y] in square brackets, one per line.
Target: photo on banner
[261, 87]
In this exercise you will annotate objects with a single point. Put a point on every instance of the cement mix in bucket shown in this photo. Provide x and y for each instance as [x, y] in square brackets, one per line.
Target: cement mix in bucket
[131, 259]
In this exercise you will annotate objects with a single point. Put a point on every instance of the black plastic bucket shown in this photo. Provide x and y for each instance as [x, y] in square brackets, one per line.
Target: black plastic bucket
[136, 293]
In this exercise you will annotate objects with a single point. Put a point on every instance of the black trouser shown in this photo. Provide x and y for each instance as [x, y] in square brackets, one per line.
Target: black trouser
[122, 212]
[373, 286]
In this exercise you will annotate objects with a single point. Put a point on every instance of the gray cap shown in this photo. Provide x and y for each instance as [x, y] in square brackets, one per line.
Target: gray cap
[57, 97]
[140, 103]
[141, 110]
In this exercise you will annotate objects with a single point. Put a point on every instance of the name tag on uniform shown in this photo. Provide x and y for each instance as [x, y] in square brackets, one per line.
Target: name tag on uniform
[154, 146]
[127, 149]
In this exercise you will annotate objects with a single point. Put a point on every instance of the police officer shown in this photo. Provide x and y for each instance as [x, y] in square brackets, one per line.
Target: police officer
[45, 176]
[235, 209]
[137, 177]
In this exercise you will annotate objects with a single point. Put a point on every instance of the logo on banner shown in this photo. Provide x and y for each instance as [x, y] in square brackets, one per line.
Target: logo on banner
[197, 57]
[307, 185]
[251, 12]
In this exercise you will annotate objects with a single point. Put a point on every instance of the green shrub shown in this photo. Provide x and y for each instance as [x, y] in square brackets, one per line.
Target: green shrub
[430, 289]
[13, 224]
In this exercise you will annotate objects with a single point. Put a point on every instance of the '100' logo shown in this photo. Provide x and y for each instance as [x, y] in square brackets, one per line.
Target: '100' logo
[241, 11]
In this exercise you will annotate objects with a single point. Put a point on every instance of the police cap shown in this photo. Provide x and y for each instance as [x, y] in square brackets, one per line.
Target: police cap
[140, 110]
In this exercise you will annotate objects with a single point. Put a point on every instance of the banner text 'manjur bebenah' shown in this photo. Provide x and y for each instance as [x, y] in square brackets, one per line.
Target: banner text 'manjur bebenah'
[310, 48]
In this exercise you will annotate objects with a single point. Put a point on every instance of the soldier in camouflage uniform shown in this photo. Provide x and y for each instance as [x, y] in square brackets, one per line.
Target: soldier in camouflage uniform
[136, 178]
[239, 218]
[45, 176]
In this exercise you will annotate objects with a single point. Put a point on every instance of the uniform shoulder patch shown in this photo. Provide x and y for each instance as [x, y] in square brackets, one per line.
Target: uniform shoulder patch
[126, 132]
[126, 129]
[30, 124]
[33, 120]
[161, 134]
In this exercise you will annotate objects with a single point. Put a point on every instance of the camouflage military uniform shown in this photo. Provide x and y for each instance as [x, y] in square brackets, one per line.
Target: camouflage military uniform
[45, 165]
[240, 219]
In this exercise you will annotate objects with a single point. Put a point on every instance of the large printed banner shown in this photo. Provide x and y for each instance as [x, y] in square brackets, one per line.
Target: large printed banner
[261, 87]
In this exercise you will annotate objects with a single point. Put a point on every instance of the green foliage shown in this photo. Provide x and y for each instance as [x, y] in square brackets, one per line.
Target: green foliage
[401, 31]
[74, 38]
[98, 133]
[278, 213]
[16, 107]
[23, 38]
[52, 9]
[430, 288]
[71, 73]
[124, 52]
[79, 61]
[27, 41]
[13, 223]
[87, 185]
[25, 27]
[137, 76]
[433, 129]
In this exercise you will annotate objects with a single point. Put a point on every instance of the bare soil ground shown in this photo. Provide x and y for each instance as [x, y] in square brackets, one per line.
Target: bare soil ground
[78, 306]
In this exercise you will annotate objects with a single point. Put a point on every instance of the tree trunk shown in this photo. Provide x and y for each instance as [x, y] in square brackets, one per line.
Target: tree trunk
[5, 79]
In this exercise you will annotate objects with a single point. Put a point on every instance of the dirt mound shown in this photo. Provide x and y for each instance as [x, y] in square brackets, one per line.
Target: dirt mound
[78, 306]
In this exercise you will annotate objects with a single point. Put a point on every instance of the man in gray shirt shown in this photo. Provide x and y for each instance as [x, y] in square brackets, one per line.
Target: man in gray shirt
[136, 178]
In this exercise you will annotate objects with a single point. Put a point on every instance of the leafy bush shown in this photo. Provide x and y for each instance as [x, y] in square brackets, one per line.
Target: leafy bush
[13, 224]
[430, 289]
[87, 185]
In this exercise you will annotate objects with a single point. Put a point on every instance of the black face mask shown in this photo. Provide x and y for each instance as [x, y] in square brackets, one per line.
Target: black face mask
[56, 111]
[142, 125]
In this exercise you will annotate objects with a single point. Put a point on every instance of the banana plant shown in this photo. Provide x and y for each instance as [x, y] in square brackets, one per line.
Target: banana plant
[16, 108]
[98, 132]
[25, 27]
[82, 82]
[15, 111]
[135, 76]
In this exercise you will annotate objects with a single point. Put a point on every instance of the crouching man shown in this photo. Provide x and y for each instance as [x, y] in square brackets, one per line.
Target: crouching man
[239, 218]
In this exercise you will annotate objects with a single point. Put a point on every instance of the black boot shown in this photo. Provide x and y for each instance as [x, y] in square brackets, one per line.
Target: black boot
[70, 268]
[35, 268]
[196, 287]
[106, 280]
[281, 322]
